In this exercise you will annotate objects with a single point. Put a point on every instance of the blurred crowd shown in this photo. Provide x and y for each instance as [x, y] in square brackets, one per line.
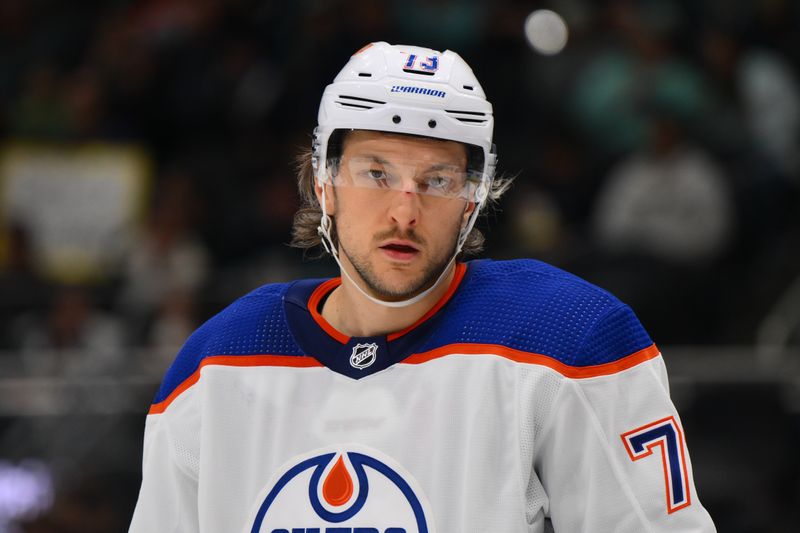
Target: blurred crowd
[658, 155]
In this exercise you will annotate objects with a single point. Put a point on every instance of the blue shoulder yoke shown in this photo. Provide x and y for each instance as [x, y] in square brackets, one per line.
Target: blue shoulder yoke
[524, 305]
[252, 325]
[533, 307]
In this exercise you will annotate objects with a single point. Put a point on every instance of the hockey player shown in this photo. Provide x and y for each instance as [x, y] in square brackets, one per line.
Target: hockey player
[415, 393]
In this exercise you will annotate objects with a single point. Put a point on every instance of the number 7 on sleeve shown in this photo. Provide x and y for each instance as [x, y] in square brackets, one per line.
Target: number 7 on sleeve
[667, 435]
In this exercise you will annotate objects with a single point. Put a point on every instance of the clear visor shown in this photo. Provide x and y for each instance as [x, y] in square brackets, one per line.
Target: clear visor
[420, 177]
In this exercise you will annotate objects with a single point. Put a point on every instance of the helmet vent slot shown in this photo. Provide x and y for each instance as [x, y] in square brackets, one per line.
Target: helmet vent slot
[469, 87]
[365, 74]
[455, 112]
[422, 72]
[357, 106]
[472, 117]
[360, 99]
[358, 102]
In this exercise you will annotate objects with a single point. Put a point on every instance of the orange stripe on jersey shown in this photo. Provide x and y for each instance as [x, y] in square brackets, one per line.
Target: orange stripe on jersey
[295, 361]
[325, 288]
[313, 308]
[461, 269]
[234, 360]
[537, 359]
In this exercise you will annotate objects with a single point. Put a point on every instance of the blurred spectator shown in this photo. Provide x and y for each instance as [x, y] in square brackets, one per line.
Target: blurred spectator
[166, 258]
[537, 223]
[756, 132]
[771, 99]
[663, 219]
[39, 110]
[670, 201]
[74, 338]
[256, 85]
[766, 93]
[85, 104]
[638, 69]
[23, 290]
[561, 169]
[173, 323]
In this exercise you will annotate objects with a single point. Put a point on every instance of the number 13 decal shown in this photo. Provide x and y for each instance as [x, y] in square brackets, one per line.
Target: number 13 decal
[430, 65]
[665, 434]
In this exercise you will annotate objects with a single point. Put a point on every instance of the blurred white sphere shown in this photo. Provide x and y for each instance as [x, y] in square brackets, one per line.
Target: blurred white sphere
[546, 31]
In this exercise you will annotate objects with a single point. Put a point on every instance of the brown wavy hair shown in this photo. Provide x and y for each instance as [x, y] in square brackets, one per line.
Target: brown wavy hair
[309, 214]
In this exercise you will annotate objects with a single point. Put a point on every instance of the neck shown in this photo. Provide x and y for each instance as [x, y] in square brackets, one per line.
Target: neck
[347, 310]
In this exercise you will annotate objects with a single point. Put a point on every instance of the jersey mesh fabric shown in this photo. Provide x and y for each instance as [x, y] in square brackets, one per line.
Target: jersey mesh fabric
[253, 325]
[188, 462]
[619, 330]
[529, 306]
[537, 389]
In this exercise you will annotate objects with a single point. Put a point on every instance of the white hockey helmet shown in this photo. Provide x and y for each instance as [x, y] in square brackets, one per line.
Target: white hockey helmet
[411, 90]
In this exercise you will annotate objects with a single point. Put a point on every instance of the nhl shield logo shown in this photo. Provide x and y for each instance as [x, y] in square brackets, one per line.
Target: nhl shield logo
[363, 355]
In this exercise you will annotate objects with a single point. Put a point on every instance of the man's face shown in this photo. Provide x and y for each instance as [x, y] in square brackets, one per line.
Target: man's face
[396, 239]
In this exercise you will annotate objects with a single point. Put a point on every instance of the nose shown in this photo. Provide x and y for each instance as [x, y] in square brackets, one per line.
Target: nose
[404, 210]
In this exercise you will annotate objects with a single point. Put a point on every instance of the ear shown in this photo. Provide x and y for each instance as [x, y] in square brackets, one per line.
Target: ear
[329, 192]
[471, 206]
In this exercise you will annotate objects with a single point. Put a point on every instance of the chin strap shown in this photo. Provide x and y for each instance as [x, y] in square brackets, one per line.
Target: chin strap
[324, 231]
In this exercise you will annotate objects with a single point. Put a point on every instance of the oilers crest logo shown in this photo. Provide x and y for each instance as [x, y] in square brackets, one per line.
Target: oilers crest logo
[344, 490]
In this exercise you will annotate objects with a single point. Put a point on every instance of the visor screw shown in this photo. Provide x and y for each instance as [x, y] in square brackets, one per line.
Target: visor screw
[431, 123]
[396, 119]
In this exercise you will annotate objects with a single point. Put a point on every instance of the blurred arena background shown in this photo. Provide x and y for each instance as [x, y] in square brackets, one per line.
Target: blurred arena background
[146, 180]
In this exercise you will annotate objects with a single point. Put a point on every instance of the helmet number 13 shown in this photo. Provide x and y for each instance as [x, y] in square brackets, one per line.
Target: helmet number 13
[430, 64]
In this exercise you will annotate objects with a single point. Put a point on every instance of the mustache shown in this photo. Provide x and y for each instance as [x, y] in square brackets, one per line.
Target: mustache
[408, 235]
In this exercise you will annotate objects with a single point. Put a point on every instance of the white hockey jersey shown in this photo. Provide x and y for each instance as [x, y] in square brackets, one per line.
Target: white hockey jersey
[526, 400]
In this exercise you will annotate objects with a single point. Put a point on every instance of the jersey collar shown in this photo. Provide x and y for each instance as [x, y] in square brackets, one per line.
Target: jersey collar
[324, 290]
[355, 357]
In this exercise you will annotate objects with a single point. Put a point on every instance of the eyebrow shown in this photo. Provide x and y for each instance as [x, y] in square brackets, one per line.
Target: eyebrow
[374, 158]
[382, 161]
[443, 166]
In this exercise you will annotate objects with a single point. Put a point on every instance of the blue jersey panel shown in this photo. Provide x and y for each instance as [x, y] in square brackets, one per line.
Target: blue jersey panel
[533, 307]
[525, 305]
[253, 325]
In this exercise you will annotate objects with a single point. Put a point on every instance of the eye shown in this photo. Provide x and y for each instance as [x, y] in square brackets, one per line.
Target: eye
[441, 183]
[376, 174]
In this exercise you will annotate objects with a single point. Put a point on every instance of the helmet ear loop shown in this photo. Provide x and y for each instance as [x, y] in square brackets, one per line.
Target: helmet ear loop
[481, 193]
[325, 223]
